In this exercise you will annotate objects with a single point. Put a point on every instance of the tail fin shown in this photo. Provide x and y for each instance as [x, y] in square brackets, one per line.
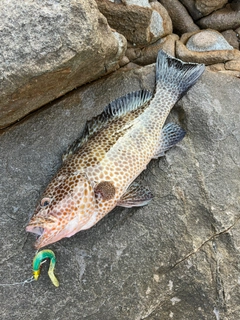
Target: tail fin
[175, 75]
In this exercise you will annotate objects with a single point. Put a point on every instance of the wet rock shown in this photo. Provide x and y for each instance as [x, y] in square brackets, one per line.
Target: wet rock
[148, 54]
[50, 48]
[232, 38]
[207, 40]
[182, 21]
[221, 20]
[207, 57]
[206, 7]
[140, 25]
[175, 258]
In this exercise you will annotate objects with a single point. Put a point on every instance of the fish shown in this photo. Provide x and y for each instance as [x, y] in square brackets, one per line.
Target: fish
[100, 167]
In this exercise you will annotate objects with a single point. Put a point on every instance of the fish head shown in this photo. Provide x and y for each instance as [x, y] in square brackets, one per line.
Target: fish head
[67, 204]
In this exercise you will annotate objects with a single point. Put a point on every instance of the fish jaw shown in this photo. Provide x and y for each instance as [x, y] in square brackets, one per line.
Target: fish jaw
[49, 232]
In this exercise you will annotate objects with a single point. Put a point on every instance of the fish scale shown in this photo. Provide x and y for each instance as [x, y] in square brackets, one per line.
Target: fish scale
[114, 149]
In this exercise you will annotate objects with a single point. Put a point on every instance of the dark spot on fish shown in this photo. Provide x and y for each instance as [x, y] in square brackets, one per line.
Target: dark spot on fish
[106, 189]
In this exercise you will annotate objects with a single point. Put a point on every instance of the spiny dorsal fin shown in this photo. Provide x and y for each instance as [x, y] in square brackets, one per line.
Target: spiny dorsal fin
[113, 110]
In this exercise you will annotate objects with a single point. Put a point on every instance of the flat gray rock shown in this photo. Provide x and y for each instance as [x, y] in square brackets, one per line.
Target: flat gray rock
[176, 258]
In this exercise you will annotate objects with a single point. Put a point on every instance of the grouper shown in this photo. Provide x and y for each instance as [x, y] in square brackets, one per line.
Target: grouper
[99, 169]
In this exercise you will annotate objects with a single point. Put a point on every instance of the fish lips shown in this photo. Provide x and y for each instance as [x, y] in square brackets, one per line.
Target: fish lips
[37, 230]
[42, 235]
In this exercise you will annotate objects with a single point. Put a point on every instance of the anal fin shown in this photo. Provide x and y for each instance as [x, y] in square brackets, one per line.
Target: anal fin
[171, 134]
[135, 196]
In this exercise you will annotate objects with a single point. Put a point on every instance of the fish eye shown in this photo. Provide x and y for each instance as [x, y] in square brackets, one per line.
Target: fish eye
[45, 202]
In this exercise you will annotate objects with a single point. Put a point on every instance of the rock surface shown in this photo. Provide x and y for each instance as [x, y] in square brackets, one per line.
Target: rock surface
[141, 25]
[206, 57]
[50, 48]
[176, 258]
[207, 40]
[182, 21]
[232, 38]
[148, 54]
[206, 7]
[221, 20]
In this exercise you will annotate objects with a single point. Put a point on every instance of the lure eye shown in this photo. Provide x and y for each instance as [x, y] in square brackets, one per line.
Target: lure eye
[45, 202]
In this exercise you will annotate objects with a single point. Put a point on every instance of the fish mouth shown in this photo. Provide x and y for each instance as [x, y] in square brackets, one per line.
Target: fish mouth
[37, 230]
[41, 234]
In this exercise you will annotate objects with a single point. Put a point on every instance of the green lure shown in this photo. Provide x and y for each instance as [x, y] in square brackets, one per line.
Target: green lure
[40, 256]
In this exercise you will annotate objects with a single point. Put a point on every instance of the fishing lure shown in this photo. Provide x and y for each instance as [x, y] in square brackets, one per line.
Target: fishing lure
[38, 260]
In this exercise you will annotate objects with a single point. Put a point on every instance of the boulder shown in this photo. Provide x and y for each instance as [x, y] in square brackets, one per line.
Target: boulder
[50, 48]
[176, 258]
[221, 20]
[206, 57]
[190, 5]
[232, 38]
[148, 54]
[207, 40]
[206, 7]
[140, 25]
[182, 21]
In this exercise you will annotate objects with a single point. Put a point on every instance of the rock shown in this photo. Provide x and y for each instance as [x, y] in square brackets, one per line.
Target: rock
[124, 61]
[217, 67]
[231, 73]
[182, 22]
[173, 259]
[140, 25]
[190, 5]
[238, 32]
[149, 53]
[207, 40]
[133, 53]
[233, 65]
[50, 48]
[235, 5]
[206, 7]
[207, 57]
[221, 20]
[141, 3]
[232, 38]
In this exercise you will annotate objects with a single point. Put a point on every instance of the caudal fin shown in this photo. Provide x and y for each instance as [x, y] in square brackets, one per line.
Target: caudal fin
[175, 75]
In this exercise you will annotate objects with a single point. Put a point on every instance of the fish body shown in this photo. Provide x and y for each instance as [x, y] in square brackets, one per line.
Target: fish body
[115, 147]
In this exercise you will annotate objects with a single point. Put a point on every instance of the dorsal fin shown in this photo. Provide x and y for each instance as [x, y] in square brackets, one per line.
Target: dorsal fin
[113, 110]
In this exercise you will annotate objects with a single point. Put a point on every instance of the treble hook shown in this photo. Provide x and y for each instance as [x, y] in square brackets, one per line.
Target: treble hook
[38, 260]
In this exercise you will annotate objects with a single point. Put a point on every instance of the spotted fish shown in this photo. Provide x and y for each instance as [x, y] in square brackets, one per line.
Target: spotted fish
[99, 169]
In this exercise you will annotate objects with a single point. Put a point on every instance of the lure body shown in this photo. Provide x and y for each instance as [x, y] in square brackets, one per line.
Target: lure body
[37, 261]
[115, 148]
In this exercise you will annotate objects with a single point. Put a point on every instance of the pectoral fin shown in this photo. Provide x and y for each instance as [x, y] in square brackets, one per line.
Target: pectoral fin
[135, 196]
[171, 134]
